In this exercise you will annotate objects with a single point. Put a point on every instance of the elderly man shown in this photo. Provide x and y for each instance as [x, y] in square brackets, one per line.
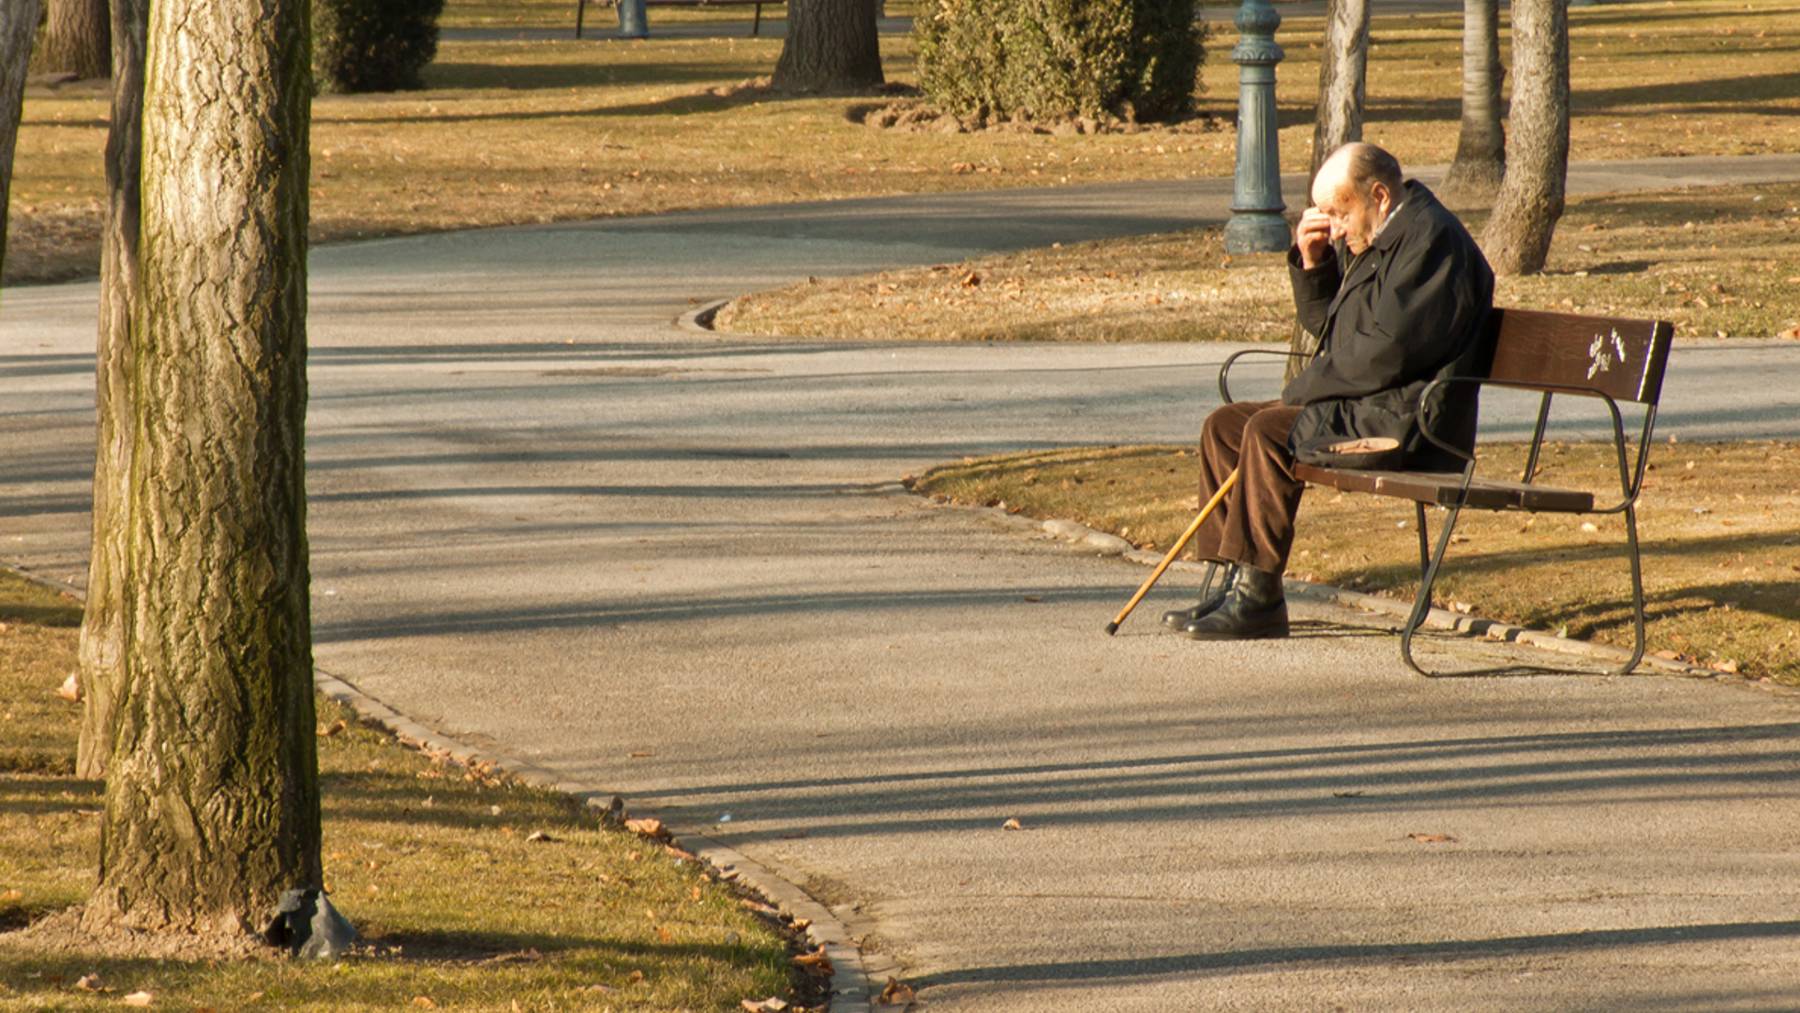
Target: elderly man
[1398, 293]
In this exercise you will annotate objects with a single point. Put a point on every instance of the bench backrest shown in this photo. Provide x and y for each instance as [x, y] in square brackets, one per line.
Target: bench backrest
[1619, 357]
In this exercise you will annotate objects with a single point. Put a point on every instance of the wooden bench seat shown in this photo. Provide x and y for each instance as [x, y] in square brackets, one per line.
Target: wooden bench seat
[1612, 360]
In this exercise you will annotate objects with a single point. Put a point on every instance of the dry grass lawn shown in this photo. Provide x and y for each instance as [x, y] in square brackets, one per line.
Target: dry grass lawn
[544, 129]
[457, 908]
[1718, 262]
[1720, 526]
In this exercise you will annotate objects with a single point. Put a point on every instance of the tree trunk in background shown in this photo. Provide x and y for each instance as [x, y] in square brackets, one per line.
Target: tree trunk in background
[18, 24]
[832, 45]
[212, 805]
[77, 39]
[103, 620]
[1343, 80]
[1481, 145]
[1517, 238]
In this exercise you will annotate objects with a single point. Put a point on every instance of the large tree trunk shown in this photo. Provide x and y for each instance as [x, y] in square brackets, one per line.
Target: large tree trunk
[832, 45]
[18, 23]
[103, 621]
[1481, 144]
[1517, 238]
[1343, 85]
[77, 39]
[212, 805]
[1343, 78]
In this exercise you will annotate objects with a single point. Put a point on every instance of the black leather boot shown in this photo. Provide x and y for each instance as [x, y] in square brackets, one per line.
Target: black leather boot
[1255, 609]
[1175, 619]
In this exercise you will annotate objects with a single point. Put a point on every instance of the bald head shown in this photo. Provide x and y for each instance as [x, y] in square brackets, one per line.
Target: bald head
[1356, 188]
[1357, 165]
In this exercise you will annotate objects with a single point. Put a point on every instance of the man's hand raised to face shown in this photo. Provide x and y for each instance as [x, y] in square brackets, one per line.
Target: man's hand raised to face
[1313, 237]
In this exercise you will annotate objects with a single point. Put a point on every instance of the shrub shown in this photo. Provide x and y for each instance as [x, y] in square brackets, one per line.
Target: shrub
[1054, 59]
[373, 45]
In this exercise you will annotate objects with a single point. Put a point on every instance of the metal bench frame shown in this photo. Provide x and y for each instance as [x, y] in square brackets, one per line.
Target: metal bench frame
[1542, 353]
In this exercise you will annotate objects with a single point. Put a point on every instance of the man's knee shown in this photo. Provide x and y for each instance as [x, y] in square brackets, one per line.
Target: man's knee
[1270, 427]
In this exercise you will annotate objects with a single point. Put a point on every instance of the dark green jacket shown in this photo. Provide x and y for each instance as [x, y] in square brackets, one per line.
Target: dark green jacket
[1413, 307]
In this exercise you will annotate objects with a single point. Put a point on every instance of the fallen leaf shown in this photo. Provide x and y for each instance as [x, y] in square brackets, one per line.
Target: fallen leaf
[327, 731]
[639, 754]
[539, 837]
[1791, 332]
[971, 280]
[89, 983]
[1590, 527]
[650, 827]
[11, 897]
[139, 999]
[1012, 824]
[1347, 794]
[896, 994]
[815, 961]
[664, 935]
[773, 1004]
[1728, 666]
[635, 977]
[70, 690]
[1433, 838]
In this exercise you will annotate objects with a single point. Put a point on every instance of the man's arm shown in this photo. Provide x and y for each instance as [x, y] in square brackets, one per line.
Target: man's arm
[1427, 304]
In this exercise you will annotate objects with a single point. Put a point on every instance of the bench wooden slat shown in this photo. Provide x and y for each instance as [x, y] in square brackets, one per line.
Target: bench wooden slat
[1613, 355]
[1442, 489]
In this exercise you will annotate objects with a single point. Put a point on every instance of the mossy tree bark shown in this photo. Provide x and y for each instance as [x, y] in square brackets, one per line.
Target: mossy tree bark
[103, 619]
[212, 804]
[1343, 87]
[18, 24]
[832, 45]
[1480, 162]
[1517, 237]
[76, 39]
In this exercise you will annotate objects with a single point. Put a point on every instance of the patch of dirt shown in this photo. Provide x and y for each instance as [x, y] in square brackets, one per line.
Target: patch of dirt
[64, 933]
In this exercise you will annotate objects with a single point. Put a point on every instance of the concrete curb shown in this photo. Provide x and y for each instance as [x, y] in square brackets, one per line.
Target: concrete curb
[852, 983]
[1080, 536]
[700, 320]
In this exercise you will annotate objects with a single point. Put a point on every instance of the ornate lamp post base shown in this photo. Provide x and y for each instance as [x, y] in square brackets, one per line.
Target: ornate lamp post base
[1256, 224]
[634, 22]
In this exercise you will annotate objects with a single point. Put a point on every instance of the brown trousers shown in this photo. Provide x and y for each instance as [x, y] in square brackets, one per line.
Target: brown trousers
[1254, 524]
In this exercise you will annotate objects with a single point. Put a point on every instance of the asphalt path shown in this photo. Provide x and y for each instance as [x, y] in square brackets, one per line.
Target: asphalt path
[679, 567]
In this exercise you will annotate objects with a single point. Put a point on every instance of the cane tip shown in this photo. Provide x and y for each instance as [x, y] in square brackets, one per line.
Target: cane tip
[1112, 628]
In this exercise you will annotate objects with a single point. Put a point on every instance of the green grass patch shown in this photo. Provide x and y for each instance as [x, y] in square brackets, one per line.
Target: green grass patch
[1720, 529]
[554, 129]
[431, 861]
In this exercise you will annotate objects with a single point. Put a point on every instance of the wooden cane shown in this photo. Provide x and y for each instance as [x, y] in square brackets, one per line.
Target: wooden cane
[1180, 543]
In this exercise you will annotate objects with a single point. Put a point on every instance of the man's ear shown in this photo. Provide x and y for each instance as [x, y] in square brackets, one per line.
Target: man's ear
[1379, 194]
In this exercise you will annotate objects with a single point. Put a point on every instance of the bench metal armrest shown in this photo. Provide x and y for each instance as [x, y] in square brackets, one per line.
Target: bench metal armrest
[1231, 360]
[1629, 485]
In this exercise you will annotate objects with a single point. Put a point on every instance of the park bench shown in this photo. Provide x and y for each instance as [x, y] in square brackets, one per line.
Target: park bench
[1605, 359]
[755, 24]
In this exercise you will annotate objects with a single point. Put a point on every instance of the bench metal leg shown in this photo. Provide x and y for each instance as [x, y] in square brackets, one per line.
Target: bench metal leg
[1422, 604]
[756, 23]
[1637, 591]
[1424, 543]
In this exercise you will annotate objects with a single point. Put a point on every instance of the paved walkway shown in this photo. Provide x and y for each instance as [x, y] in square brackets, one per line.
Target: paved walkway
[678, 567]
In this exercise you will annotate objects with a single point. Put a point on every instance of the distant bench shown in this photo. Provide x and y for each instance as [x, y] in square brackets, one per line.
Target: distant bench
[1609, 359]
[755, 25]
